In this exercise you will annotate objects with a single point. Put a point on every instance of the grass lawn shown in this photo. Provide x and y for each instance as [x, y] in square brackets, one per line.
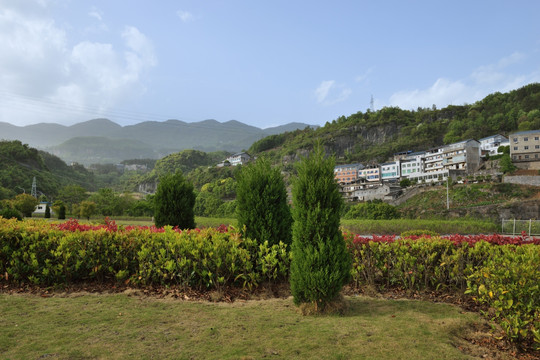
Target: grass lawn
[106, 326]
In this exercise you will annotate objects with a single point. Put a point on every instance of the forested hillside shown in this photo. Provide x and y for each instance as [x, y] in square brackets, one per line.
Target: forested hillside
[21, 163]
[375, 136]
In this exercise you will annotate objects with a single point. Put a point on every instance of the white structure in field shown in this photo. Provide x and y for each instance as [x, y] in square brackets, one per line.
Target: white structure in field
[239, 159]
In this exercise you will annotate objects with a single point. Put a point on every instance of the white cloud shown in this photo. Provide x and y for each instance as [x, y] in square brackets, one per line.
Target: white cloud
[43, 78]
[185, 16]
[323, 89]
[330, 93]
[365, 75]
[481, 82]
[96, 14]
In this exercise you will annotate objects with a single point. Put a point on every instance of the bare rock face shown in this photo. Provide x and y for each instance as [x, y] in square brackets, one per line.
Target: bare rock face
[524, 210]
[352, 138]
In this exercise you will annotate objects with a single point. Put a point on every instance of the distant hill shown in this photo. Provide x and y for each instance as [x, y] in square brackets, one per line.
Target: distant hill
[374, 136]
[150, 139]
[20, 163]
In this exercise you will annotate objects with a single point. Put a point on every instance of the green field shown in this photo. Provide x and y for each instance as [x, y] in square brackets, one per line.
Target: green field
[86, 326]
[397, 226]
[365, 227]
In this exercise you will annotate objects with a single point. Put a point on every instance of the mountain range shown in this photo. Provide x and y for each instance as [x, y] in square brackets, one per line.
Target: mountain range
[104, 141]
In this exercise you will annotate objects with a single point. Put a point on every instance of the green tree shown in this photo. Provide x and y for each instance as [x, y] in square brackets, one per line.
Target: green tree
[174, 201]
[261, 199]
[506, 164]
[405, 183]
[47, 212]
[87, 209]
[320, 264]
[26, 204]
[10, 213]
[72, 194]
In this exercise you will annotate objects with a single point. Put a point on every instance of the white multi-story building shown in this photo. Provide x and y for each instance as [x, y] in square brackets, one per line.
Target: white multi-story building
[390, 171]
[490, 145]
[412, 165]
[239, 159]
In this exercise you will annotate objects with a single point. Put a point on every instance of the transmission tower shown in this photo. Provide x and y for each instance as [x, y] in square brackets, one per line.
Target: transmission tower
[371, 105]
[34, 188]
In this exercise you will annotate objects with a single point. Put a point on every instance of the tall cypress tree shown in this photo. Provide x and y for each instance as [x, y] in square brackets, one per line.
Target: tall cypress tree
[321, 263]
[174, 202]
[262, 206]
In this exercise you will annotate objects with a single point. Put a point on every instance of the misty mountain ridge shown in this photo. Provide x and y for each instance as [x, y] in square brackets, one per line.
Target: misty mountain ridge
[104, 141]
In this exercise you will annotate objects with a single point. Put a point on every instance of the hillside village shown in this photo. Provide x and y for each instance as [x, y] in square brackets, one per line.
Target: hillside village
[458, 161]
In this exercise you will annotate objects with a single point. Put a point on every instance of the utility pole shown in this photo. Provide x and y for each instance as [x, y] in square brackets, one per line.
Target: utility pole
[447, 193]
[34, 188]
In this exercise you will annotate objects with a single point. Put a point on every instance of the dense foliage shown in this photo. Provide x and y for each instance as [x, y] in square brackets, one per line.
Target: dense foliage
[262, 209]
[373, 210]
[321, 263]
[174, 201]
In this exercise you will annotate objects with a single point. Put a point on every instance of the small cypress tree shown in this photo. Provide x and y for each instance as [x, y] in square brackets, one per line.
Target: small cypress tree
[262, 203]
[47, 212]
[321, 263]
[174, 202]
[62, 212]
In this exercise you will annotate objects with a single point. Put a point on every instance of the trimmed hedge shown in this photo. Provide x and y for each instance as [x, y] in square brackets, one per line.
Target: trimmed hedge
[39, 254]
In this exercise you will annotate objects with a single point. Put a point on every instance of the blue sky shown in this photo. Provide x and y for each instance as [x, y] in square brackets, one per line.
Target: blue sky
[264, 63]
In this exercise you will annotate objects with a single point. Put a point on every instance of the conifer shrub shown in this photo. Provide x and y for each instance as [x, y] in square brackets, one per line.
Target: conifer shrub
[321, 263]
[62, 212]
[174, 202]
[262, 208]
[47, 212]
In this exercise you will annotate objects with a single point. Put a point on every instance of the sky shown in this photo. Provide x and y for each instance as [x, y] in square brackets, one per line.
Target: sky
[263, 63]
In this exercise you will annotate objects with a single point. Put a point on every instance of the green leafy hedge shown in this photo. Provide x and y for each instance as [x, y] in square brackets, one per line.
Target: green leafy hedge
[506, 278]
[208, 258]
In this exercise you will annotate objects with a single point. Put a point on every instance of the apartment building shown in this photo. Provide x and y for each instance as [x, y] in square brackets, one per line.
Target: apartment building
[525, 149]
[347, 174]
[370, 173]
[412, 165]
[391, 171]
[490, 145]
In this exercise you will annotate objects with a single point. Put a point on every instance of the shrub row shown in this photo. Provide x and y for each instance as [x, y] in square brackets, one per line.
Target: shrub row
[41, 254]
[502, 273]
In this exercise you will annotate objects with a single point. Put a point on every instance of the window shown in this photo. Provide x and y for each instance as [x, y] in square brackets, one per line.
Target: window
[537, 146]
[526, 148]
[525, 139]
[515, 139]
[536, 138]
[515, 148]
[526, 156]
